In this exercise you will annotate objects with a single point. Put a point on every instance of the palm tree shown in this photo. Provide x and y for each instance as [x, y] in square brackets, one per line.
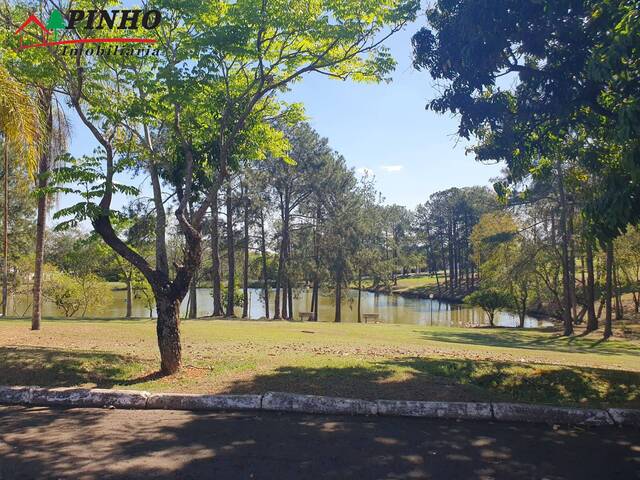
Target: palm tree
[20, 126]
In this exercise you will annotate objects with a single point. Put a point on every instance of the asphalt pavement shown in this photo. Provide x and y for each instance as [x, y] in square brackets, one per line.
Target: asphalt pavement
[153, 444]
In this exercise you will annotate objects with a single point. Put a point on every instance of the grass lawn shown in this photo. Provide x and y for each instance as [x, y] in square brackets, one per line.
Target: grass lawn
[353, 360]
[415, 282]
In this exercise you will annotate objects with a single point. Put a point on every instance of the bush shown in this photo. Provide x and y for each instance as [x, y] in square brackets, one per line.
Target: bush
[71, 294]
[64, 292]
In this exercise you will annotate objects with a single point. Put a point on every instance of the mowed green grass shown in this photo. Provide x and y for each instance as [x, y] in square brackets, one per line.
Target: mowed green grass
[415, 283]
[353, 360]
[418, 281]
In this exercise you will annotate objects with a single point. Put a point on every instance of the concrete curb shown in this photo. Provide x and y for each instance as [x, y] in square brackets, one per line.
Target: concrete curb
[291, 402]
[315, 404]
[89, 397]
[519, 412]
[625, 416]
[74, 397]
[462, 410]
[174, 401]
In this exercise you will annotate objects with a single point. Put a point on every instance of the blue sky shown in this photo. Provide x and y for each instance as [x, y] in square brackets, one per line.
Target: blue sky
[384, 128]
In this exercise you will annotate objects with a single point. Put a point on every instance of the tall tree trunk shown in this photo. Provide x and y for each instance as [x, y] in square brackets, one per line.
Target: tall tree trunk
[316, 273]
[5, 231]
[276, 305]
[283, 281]
[616, 285]
[290, 299]
[473, 276]
[44, 167]
[359, 295]
[313, 296]
[289, 283]
[572, 265]
[215, 253]
[285, 299]
[316, 308]
[608, 331]
[193, 297]
[592, 319]
[41, 225]
[245, 266]
[338, 313]
[168, 332]
[452, 270]
[566, 276]
[285, 259]
[129, 283]
[263, 248]
[231, 277]
[162, 259]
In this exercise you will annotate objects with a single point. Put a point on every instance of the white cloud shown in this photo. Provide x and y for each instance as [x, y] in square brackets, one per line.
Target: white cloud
[391, 168]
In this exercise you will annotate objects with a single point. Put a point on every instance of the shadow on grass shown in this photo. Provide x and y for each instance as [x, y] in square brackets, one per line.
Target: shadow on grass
[49, 367]
[411, 378]
[509, 338]
[456, 380]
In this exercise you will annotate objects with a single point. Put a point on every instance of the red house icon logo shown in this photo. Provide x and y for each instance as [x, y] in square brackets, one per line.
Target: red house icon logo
[32, 19]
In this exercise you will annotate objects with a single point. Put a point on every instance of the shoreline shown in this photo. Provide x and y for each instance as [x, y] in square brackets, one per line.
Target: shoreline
[453, 299]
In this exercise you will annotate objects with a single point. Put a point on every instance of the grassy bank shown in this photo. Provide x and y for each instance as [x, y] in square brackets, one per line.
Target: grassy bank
[422, 286]
[356, 360]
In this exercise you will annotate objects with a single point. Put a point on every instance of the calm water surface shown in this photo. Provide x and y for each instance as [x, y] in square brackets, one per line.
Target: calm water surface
[391, 309]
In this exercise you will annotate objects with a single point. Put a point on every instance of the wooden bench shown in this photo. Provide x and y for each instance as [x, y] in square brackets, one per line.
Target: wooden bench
[309, 316]
[370, 316]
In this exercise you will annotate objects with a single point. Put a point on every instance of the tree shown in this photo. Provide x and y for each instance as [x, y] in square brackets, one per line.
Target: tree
[293, 183]
[40, 72]
[445, 223]
[277, 44]
[341, 232]
[489, 300]
[73, 293]
[64, 292]
[486, 236]
[54, 135]
[20, 125]
[608, 331]
[506, 258]
[628, 253]
[16, 212]
[189, 116]
[143, 291]
[569, 104]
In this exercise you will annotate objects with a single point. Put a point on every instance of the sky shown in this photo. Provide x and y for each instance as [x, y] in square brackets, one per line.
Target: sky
[383, 129]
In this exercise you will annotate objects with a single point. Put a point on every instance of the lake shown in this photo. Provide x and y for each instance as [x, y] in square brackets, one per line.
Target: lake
[391, 309]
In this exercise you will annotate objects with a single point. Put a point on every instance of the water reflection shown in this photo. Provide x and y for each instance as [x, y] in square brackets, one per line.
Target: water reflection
[390, 308]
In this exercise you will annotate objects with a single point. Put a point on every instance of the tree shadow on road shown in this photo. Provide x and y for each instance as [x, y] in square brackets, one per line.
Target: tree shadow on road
[84, 443]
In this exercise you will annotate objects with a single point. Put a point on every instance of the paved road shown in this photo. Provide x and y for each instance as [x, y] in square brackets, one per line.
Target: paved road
[95, 443]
